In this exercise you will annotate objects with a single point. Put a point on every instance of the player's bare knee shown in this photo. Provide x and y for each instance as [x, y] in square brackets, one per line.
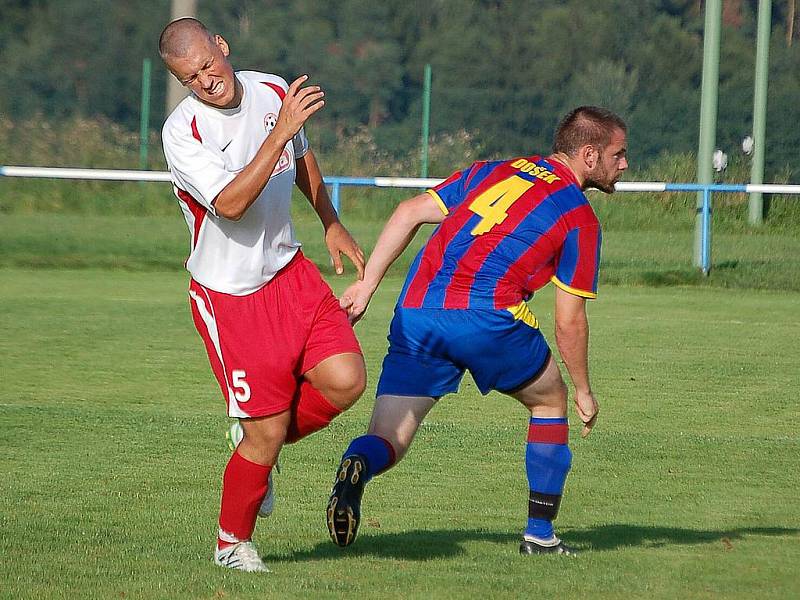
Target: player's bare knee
[555, 398]
[358, 384]
[345, 387]
[341, 379]
[355, 385]
[263, 438]
[551, 387]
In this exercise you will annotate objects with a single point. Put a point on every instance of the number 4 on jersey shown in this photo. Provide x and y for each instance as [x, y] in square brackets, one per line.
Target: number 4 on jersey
[493, 204]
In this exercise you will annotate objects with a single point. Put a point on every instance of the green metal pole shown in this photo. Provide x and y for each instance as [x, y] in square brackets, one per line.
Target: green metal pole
[708, 114]
[426, 119]
[755, 213]
[144, 124]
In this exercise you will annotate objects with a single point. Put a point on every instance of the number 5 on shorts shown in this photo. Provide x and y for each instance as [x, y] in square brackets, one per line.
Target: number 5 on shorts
[242, 393]
[493, 204]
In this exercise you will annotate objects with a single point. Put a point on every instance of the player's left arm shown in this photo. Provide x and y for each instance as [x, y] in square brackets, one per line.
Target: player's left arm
[337, 238]
[572, 337]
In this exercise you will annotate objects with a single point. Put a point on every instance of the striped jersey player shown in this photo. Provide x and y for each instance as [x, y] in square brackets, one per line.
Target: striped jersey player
[516, 225]
[505, 229]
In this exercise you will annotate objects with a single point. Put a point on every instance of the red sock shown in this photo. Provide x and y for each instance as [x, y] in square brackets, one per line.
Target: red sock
[244, 486]
[310, 413]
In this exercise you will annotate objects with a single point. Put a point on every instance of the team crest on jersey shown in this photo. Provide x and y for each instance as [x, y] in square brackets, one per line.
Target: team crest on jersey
[285, 161]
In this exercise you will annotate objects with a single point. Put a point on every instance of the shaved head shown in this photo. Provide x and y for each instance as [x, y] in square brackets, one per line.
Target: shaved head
[199, 61]
[180, 36]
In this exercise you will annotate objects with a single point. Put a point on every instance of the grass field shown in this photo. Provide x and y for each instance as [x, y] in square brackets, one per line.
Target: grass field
[113, 431]
[113, 437]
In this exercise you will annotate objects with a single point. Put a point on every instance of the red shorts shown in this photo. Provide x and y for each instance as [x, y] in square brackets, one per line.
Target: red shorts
[261, 344]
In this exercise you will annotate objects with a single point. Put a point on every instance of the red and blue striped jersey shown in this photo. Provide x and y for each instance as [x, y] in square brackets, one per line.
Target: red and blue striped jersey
[510, 227]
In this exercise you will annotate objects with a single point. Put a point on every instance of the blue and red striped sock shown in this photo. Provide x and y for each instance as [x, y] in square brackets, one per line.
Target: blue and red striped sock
[547, 462]
[377, 452]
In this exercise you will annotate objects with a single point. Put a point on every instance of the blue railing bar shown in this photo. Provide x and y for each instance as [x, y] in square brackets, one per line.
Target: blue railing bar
[705, 237]
[355, 181]
[335, 200]
[394, 182]
[700, 187]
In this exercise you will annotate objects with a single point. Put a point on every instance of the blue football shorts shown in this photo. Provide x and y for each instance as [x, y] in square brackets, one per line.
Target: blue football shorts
[430, 348]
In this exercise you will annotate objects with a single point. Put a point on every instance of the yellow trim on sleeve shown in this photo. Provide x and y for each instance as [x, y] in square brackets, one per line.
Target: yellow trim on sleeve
[572, 290]
[435, 195]
[523, 313]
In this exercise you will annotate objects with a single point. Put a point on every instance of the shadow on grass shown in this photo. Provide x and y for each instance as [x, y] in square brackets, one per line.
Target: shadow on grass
[410, 545]
[672, 277]
[611, 537]
[443, 543]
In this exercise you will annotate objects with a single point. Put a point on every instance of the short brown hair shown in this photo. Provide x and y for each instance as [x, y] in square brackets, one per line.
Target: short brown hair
[584, 125]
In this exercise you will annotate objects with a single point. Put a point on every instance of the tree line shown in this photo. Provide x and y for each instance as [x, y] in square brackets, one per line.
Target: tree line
[503, 70]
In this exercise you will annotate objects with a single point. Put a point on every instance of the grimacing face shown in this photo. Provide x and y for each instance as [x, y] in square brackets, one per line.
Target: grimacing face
[205, 71]
[611, 163]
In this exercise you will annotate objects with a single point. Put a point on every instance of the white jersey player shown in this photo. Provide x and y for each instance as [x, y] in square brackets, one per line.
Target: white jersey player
[282, 350]
[206, 148]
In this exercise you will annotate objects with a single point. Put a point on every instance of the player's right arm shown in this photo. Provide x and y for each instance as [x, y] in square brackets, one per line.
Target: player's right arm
[298, 105]
[397, 234]
[572, 338]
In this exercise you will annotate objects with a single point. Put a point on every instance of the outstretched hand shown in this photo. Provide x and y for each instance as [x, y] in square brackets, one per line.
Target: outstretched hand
[339, 241]
[587, 408]
[298, 105]
[355, 300]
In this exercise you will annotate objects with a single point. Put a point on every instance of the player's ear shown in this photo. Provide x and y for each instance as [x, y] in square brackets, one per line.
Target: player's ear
[589, 154]
[222, 44]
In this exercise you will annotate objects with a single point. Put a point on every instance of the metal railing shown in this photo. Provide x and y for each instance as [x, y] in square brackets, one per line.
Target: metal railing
[336, 184]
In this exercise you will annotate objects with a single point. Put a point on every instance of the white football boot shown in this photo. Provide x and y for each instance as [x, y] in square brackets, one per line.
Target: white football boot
[242, 557]
[234, 435]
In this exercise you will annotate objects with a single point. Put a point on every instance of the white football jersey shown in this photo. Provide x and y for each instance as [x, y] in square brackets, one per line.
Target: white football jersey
[205, 148]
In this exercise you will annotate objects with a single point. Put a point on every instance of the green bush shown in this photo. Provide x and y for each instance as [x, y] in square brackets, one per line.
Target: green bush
[84, 143]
